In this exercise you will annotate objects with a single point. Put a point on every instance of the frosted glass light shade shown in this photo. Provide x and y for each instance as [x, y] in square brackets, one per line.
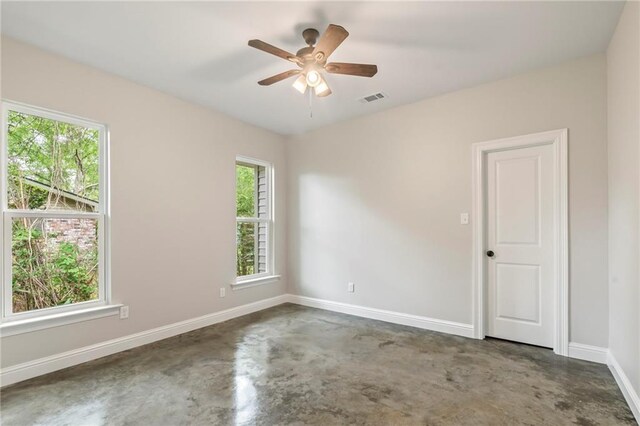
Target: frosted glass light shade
[300, 84]
[322, 89]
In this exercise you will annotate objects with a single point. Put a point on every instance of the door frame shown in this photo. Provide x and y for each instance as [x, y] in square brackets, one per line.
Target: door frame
[559, 140]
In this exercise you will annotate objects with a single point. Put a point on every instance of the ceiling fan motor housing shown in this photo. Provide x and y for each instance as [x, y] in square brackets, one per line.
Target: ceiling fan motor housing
[310, 36]
[305, 53]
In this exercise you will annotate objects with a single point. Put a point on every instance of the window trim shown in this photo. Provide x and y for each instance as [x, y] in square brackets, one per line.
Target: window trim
[269, 174]
[102, 216]
[57, 319]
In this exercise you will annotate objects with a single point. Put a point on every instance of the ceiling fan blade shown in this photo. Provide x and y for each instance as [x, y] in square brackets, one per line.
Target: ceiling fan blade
[329, 41]
[266, 47]
[278, 77]
[360, 70]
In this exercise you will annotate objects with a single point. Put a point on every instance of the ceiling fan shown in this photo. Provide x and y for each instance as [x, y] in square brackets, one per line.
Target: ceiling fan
[312, 60]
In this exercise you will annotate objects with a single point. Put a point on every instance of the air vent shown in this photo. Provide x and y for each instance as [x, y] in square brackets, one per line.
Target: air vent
[372, 98]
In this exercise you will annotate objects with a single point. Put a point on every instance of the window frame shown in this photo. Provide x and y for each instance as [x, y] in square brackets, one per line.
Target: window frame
[101, 216]
[269, 221]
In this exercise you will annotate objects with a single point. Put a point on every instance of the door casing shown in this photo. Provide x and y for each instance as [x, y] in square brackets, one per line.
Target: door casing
[559, 140]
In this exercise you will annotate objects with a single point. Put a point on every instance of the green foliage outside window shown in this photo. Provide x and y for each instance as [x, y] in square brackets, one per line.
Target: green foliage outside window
[245, 207]
[245, 190]
[47, 273]
[52, 166]
[62, 156]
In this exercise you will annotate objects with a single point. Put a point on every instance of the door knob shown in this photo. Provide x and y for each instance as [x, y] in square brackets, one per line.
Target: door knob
[490, 253]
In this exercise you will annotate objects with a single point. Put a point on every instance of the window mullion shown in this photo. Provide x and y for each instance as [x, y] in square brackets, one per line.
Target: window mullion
[249, 219]
[52, 214]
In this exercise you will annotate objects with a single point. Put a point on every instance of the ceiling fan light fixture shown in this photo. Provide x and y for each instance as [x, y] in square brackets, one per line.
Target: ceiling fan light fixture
[322, 89]
[300, 84]
[313, 78]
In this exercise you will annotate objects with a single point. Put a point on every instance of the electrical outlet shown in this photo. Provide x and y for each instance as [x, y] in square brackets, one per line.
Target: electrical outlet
[124, 312]
[223, 292]
[464, 218]
[350, 288]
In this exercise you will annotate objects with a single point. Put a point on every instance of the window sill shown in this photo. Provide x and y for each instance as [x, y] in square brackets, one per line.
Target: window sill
[239, 285]
[11, 328]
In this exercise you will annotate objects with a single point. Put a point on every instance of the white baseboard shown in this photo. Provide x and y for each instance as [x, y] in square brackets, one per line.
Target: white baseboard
[443, 326]
[588, 352]
[625, 386]
[38, 367]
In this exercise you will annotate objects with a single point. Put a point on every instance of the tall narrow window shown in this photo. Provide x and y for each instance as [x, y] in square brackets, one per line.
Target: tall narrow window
[254, 220]
[53, 208]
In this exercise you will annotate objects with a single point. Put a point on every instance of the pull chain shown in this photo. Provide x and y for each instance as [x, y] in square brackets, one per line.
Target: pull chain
[310, 98]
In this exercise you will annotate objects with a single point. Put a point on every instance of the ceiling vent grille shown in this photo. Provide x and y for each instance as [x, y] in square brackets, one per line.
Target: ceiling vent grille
[372, 98]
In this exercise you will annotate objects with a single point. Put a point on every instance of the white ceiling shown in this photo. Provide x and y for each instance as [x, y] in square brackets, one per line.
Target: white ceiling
[198, 50]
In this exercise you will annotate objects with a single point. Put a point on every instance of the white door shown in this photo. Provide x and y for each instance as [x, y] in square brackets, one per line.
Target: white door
[520, 250]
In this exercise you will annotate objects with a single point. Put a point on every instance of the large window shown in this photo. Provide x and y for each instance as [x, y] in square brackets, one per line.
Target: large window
[54, 210]
[254, 220]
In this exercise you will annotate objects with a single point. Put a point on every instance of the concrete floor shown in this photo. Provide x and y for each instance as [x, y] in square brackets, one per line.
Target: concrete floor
[297, 365]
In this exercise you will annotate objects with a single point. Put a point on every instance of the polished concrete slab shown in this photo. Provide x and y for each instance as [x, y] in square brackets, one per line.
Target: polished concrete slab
[297, 365]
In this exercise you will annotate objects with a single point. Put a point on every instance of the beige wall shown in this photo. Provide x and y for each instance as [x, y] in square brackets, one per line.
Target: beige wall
[172, 203]
[623, 72]
[376, 200]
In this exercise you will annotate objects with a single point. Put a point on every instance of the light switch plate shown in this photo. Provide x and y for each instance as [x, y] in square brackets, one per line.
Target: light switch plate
[464, 218]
